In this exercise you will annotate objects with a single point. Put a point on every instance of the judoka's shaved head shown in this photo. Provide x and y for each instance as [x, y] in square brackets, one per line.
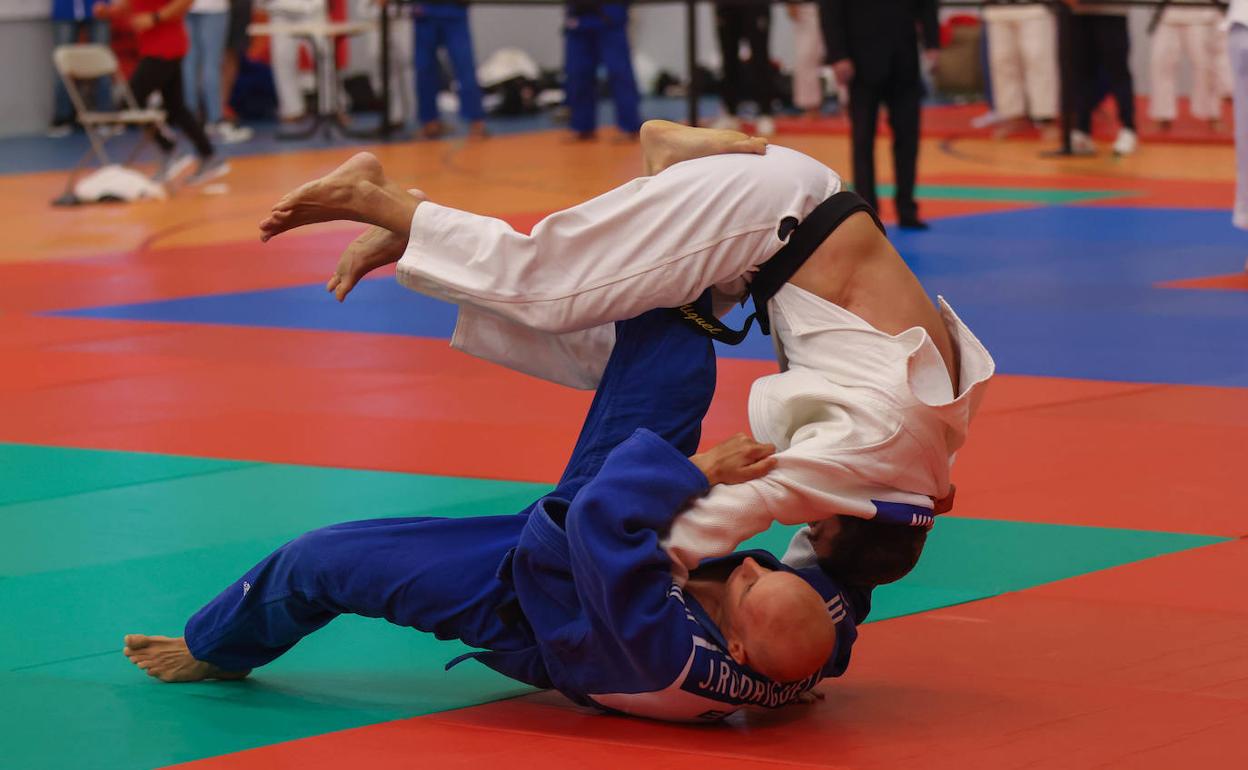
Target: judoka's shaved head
[777, 623]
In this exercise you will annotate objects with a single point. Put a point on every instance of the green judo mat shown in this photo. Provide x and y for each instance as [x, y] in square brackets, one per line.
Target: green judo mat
[98, 544]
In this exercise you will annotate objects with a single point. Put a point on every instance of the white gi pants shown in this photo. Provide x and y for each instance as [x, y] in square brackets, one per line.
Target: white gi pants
[284, 55]
[1022, 53]
[808, 54]
[401, 67]
[1238, 46]
[544, 303]
[1190, 32]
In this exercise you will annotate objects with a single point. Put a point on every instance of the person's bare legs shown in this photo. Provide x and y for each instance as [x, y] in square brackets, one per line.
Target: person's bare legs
[169, 660]
[664, 144]
[357, 191]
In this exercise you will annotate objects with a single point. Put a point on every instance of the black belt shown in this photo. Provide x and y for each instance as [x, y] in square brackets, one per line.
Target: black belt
[775, 272]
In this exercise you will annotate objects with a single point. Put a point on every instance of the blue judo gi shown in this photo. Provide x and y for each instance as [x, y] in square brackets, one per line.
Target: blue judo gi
[574, 592]
[445, 24]
[597, 34]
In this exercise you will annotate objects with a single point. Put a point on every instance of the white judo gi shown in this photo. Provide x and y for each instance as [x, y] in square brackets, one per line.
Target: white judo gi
[861, 419]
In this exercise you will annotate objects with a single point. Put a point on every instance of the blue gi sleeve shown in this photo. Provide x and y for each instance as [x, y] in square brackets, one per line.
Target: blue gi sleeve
[623, 576]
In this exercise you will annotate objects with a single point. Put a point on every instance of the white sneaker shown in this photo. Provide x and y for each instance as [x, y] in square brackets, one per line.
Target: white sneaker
[765, 126]
[172, 166]
[1126, 143]
[208, 170]
[228, 133]
[727, 122]
[1081, 143]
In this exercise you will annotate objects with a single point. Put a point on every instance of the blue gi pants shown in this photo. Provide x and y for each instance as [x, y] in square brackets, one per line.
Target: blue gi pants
[443, 576]
[451, 32]
[588, 43]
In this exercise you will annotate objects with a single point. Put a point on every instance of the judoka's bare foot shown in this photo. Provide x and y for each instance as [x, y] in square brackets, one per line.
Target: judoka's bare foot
[169, 660]
[357, 191]
[376, 247]
[664, 144]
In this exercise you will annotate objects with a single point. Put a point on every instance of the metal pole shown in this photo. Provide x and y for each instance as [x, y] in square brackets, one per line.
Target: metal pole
[691, 52]
[386, 128]
[1066, 74]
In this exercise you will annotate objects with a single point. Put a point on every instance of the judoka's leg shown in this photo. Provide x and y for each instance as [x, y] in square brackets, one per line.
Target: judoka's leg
[653, 242]
[435, 575]
[663, 144]
[660, 376]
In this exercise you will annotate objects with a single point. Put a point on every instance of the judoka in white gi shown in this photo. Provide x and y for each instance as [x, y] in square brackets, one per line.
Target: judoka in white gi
[877, 387]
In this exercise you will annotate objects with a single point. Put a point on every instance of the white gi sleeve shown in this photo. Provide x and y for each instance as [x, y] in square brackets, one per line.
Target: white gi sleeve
[802, 488]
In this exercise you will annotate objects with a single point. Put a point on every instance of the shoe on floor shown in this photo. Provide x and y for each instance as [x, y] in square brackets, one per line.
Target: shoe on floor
[765, 126]
[60, 129]
[172, 166]
[1126, 143]
[1081, 143]
[209, 168]
[913, 223]
[228, 133]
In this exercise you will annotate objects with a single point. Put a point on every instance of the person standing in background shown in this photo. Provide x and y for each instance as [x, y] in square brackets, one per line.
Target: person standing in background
[1022, 54]
[236, 44]
[1190, 31]
[207, 24]
[808, 52]
[445, 25]
[401, 66]
[71, 21]
[1237, 43]
[161, 31]
[284, 54]
[874, 48]
[734, 22]
[1100, 46]
[597, 33]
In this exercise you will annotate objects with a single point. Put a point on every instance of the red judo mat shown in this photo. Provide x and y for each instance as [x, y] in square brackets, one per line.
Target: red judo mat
[1156, 664]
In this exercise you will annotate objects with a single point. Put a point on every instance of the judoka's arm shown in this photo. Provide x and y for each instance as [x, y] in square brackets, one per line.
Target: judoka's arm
[622, 575]
[804, 487]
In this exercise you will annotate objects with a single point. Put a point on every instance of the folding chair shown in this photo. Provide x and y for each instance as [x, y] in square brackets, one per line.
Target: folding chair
[87, 62]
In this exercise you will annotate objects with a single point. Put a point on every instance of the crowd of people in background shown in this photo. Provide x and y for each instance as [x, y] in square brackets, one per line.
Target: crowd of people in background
[867, 54]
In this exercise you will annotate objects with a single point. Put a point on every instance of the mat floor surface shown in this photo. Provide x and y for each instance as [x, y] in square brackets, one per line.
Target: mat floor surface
[178, 399]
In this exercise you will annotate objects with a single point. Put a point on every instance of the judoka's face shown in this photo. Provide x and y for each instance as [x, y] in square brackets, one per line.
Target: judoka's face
[822, 535]
[743, 580]
[776, 622]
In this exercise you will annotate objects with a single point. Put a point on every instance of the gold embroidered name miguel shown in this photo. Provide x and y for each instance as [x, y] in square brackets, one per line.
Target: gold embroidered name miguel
[693, 315]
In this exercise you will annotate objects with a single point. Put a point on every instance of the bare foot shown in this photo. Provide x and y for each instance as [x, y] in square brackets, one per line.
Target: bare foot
[337, 195]
[169, 660]
[375, 247]
[665, 144]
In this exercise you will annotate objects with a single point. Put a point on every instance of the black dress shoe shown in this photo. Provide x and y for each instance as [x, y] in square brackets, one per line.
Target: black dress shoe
[913, 223]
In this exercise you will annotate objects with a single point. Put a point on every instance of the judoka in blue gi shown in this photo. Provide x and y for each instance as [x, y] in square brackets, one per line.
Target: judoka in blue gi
[574, 592]
[445, 25]
[596, 33]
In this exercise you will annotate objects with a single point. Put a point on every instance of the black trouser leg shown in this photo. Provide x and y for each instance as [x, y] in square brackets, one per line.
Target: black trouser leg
[904, 109]
[757, 30]
[1087, 80]
[728, 26]
[1113, 44]
[178, 114]
[147, 79]
[864, 113]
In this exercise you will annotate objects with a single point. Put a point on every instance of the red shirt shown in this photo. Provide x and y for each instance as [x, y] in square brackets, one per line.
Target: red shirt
[166, 40]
